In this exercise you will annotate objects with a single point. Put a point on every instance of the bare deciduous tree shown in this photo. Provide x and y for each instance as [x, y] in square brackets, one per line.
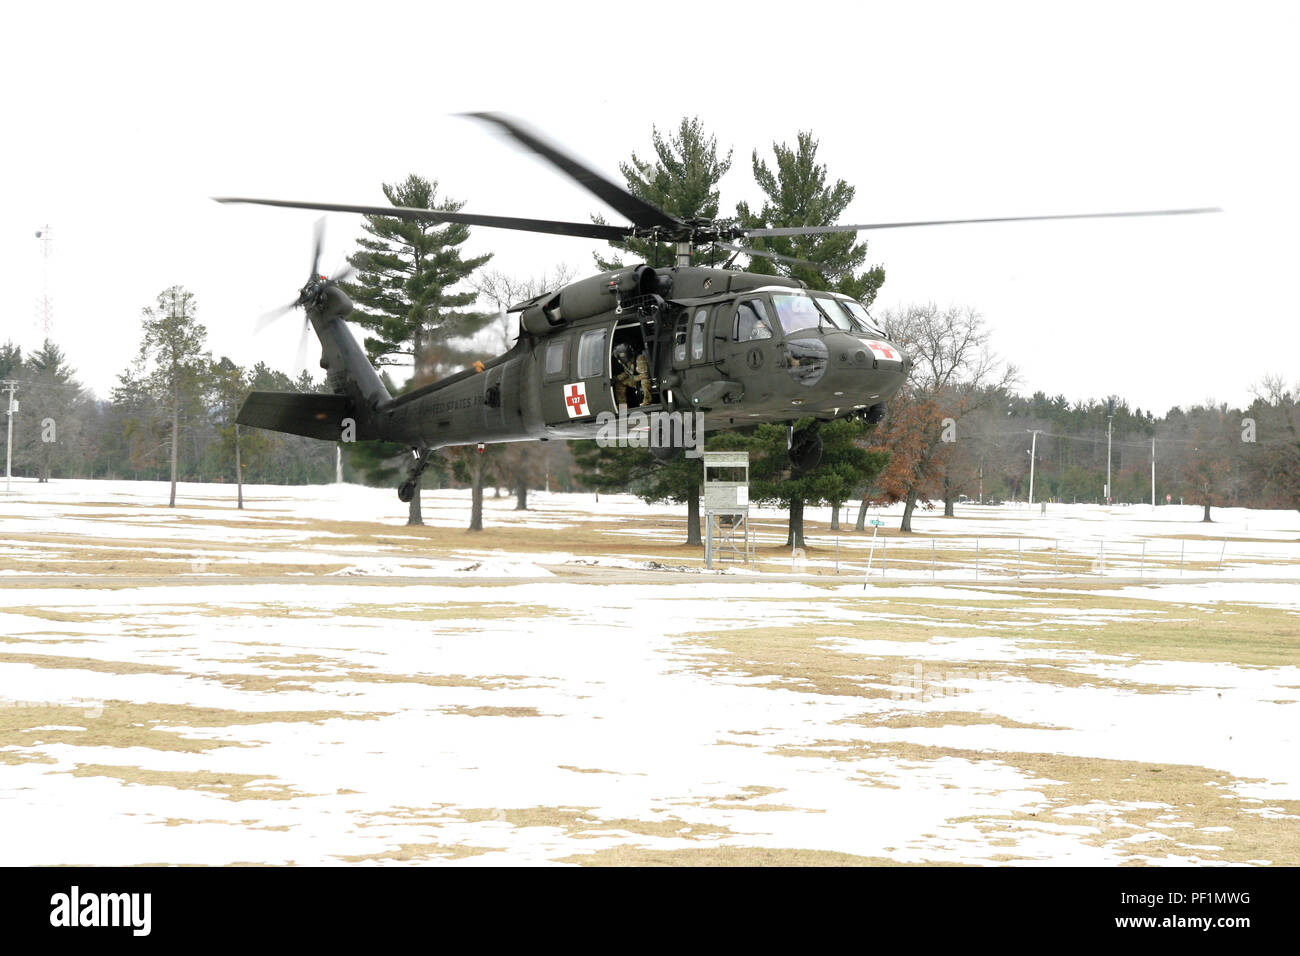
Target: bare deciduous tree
[520, 464]
[502, 291]
[954, 373]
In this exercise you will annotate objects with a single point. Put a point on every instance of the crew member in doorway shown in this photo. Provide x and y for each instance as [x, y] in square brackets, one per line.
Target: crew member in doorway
[637, 374]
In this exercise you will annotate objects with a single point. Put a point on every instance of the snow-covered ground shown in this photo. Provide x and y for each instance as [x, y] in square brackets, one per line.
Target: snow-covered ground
[540, 702]
[981, 542]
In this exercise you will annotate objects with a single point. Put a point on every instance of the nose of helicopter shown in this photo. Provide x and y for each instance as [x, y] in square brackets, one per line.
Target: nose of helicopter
[865, 371]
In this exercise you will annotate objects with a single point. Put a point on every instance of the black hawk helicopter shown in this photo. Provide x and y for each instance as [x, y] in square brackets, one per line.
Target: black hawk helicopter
[738, 348]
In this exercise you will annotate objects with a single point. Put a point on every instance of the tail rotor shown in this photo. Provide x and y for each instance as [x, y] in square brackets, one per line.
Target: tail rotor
[315, 285]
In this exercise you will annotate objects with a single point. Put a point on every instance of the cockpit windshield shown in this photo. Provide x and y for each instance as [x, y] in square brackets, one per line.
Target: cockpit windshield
[862, 317]
[837, 314]
[799, 310]
[796, 312]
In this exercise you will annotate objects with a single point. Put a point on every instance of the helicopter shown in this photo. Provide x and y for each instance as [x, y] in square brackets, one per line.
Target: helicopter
[727, 347]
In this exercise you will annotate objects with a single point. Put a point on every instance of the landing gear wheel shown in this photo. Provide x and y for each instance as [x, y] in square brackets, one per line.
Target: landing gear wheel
[419, 461]
[805, 452]
[875, 414]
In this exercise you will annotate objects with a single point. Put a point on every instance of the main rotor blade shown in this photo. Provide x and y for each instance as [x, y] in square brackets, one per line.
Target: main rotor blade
[820, 230]
[636, 209]
[583, 230]
[772, 255]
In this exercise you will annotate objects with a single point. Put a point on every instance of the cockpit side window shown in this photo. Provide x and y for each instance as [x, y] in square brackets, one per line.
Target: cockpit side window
[751, 322]
[697, 335]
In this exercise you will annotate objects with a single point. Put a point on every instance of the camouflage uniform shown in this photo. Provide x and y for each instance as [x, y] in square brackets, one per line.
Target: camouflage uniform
[640, 377]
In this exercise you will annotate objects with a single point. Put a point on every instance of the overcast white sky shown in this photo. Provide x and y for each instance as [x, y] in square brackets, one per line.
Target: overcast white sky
[121, 120]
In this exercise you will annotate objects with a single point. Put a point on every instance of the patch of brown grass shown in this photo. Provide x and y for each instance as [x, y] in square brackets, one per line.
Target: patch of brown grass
[155, 726]
[1122, 798]
[726, 855]
[231, 786]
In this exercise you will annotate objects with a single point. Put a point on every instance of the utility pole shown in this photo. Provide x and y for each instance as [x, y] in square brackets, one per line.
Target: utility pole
[1153, 472]
[9, 442]
[1110, 420]
[1033, 457]
[45, 308]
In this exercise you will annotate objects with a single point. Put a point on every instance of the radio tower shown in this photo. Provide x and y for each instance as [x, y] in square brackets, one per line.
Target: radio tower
[45, 305]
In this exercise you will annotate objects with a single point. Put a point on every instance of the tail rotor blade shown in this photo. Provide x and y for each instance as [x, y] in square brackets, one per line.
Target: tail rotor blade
[300, 361]
[267, 318]
[345, 273]
[318, 242]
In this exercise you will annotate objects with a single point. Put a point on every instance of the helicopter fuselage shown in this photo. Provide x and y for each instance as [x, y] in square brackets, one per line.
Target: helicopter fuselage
[738, 348]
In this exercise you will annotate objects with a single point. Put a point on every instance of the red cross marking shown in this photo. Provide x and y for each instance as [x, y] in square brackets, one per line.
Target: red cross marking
[576, 401]
[889, 353]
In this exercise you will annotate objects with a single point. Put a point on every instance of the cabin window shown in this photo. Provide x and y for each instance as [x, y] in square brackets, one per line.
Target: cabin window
[679, 341]
[697, 335]
[751, 322]
[591, 354]
[555, 359]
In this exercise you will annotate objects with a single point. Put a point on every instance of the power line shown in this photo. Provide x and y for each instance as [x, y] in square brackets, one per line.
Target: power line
[1132, 444]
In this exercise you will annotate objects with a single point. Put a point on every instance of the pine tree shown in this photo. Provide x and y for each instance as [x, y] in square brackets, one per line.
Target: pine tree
[845, 465]
[682, 181]
[405, 291]
[47, 430]
[11, 360]
[173, 363]
[798, 195]
[637, 471]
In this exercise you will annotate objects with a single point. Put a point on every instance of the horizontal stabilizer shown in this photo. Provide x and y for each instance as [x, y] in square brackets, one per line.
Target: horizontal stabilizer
[308, 414]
